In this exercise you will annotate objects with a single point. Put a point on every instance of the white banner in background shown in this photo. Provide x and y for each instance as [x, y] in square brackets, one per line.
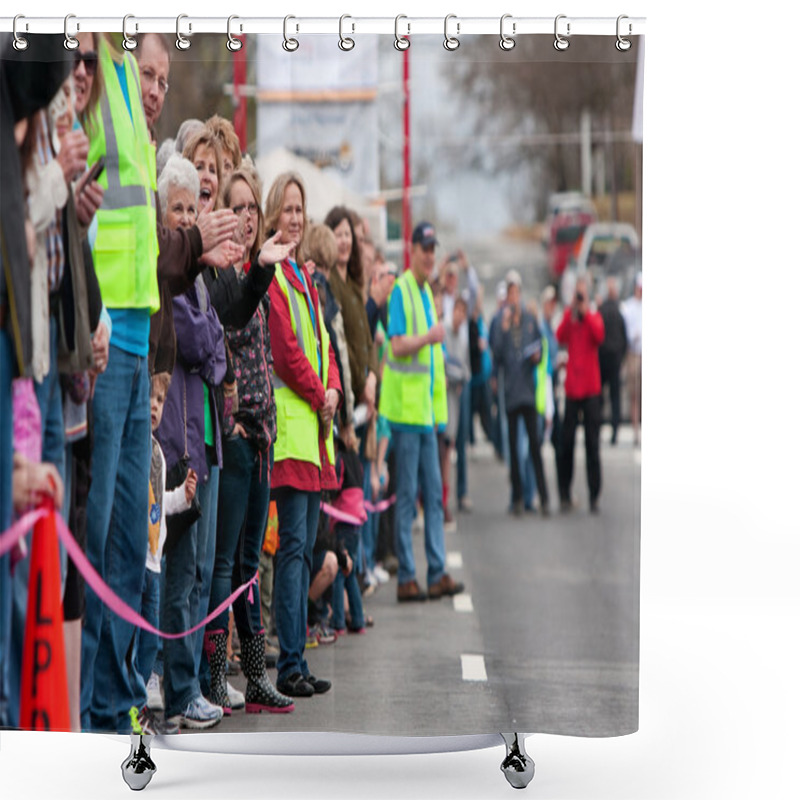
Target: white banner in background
[321, 104]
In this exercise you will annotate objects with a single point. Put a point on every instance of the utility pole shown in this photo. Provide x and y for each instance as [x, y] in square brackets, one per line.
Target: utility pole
[406, 159]
[239, 100]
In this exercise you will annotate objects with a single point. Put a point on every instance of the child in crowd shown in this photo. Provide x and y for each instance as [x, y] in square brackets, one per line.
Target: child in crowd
[162, 504]
[349, 501]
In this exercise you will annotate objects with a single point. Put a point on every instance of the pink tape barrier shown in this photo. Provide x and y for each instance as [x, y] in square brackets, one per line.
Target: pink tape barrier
[10, 537]
[350, 519]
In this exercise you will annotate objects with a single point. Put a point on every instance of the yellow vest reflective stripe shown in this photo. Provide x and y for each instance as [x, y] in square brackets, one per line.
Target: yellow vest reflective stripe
[406, 387]
[125, 249]
[541, 380]
[298, 424]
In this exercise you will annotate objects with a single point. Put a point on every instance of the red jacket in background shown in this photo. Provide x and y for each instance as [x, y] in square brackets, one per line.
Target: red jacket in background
[582, 340]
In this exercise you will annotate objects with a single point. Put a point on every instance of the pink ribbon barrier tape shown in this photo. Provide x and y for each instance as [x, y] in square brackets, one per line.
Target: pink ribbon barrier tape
[10, 537]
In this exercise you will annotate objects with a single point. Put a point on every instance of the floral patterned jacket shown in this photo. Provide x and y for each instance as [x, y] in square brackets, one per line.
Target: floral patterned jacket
[251, 358]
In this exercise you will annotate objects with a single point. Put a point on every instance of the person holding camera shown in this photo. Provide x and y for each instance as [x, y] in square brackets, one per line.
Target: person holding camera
[582, 332]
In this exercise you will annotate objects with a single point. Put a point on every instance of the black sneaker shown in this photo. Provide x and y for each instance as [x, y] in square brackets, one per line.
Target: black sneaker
[319, 685]
[152, 725]
[296, 686]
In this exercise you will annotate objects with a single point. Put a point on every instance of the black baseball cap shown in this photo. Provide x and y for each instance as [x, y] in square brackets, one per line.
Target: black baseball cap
[424, 234]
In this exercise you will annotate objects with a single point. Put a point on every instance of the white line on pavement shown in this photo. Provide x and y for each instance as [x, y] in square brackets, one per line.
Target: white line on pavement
[473, 668]
[454, 560]
[463, 603]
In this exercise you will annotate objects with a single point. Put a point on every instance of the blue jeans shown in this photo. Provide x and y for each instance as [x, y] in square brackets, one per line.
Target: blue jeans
[525, 466]
[298, 515]
[464, 414]
[241, 522]
[6, 476]
[181, 681]
[208, 497]
[348, 536]
[147, 646]
[369, 531]
[417, 458]
[117, 538]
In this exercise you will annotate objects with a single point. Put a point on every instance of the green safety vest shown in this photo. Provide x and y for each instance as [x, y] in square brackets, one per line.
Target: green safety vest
[406, 397]
[125, 250]
[298, 423]
[541, 380]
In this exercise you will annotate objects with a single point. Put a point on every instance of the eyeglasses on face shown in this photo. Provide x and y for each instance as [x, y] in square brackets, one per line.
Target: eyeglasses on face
[89, 59]
[250, 208]
[149, 77]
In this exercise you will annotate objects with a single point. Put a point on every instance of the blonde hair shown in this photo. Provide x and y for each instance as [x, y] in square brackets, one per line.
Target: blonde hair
[250, 177]
[161, 380]
[274, 205]
[321, 247]
[204, 138]
[224, 132]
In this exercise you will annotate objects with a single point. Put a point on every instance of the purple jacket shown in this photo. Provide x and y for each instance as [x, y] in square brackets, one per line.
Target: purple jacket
[200, 360]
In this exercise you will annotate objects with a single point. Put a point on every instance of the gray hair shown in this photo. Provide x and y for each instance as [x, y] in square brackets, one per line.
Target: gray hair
[188, 128]
[180, 173]
[166, 149]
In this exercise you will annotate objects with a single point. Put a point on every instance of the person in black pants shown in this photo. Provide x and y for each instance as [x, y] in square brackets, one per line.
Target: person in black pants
[612, 351]
[518, 349]
[582, 332]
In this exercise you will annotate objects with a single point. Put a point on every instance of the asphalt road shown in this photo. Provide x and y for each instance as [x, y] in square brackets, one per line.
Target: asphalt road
[545, 638]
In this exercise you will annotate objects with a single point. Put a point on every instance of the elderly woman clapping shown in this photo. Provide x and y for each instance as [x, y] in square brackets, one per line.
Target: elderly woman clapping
[190, 430]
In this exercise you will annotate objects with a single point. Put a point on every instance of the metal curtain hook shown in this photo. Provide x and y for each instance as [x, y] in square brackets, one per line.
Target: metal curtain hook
[129, 42]
[560, 42]
[346, 43]
[623, 44]
[401, 42]
[289, 45]
[70, 42]
[182, 43]
[451, 42]
[507, 42]
[20, 42]
[234, 44]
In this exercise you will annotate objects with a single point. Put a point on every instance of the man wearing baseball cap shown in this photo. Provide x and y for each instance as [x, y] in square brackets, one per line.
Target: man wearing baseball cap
[414, 401]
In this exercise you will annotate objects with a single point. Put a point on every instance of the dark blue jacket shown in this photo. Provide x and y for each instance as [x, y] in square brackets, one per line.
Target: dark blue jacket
[200, 361]
[513, 353]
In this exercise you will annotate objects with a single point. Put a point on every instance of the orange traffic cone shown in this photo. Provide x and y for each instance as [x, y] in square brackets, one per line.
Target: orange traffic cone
[44, 704]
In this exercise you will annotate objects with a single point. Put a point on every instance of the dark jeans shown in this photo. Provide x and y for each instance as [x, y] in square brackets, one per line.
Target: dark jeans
[298, 514]
[241, 521]
[528, 416]
[347, 535]
[609, 374]
[589, 409]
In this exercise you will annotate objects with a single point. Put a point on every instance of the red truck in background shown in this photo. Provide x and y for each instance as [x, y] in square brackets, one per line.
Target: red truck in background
[570, 213]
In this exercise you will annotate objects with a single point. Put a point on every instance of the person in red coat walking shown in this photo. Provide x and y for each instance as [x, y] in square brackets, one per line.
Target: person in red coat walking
[582, 332]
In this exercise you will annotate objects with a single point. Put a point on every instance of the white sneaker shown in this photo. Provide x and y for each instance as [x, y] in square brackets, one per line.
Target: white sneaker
[236, 697]
[155, 701]
[381, 575]
[199, 714]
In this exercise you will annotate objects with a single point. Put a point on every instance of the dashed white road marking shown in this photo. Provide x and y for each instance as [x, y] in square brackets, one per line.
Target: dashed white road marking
[463, 603]
[455, 560]
[473, 668]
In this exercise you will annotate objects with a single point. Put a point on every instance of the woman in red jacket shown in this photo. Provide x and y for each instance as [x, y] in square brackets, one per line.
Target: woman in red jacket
[582, 332]
[307, 394]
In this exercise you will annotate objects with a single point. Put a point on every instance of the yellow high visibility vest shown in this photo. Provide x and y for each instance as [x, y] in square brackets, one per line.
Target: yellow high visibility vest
[406, 396]
[298, 423]
[125, 250]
